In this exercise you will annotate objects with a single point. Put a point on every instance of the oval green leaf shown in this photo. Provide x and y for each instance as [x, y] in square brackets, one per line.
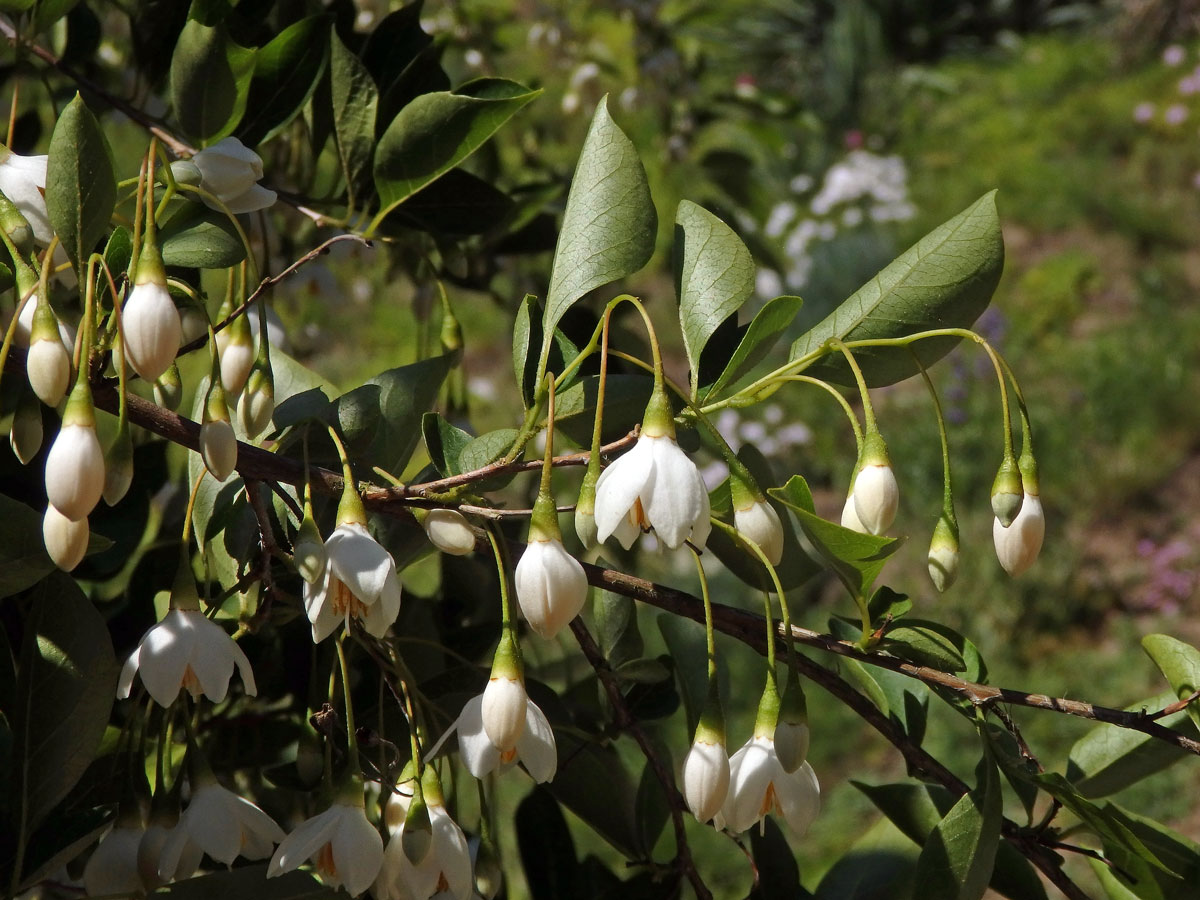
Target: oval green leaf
[210, 81]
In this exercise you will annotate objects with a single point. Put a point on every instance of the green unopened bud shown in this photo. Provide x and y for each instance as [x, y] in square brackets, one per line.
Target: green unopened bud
[791, 732]
[16, 226]
[659, 420]
[186, 172]
[943, 552]
[451, 335]
[418, 831]
[26, 434]
[118, 466]
[309, 551]
[585, 509]
[1007, 492]
[168, 389]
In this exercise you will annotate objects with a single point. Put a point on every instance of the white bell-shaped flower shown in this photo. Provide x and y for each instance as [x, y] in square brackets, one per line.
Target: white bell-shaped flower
[705, 778]
[444, 871]
[23, 181]
[151, 328]
[654, 485]
[235, 347]
[791, 744]
[449, 531]
[230, 170]
[359, 581]
[218, 448]
[345, 848]
[308, 551]
[223, 825]
[257, 404]
[534, 746]
[758, 785]
[66, 541]
[551, 585]
[153, 864]
[759, 522]
[186, 650]
[112, 869]
[876, 497]
[1018, 545]
[850, 515]
[48, 363]
[503, 711]
[75, 470]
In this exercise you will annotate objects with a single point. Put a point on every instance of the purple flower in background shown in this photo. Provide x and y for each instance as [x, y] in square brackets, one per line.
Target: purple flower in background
[1173, 55]
[1176, 114]
[1143, 112]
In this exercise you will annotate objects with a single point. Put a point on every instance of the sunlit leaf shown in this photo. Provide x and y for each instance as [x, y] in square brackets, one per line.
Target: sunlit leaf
[81, 189]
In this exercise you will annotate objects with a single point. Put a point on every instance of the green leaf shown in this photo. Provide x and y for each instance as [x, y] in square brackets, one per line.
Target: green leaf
[527, 339]
[81, 189]
[926, 644]
[686, 642]
[486, 449]
[959, 853]
[1180, 665]
[355, 99]
[210, 81]
[1179, 854]
[49, 11]
[616, 627]
[65, 691]
[300, 393]
[547, 851]
[944, 281]
[246, 882]
[444, 442]
[436, 132]
[286, 73]
[857, 559]
[624, 407]
[768, 324]
[609, 225]
[197, 237]
[381, 419]
[595, 784]
[778, 874]
[714, 276]
[1108, 759]
[862, 680]
[117, 254]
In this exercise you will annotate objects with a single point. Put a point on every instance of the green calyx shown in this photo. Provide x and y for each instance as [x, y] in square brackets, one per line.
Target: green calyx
[168, 390]
[507, 661]
[794, 708]
[1029, 472]
[350, 508]
[1008, 491]
[659, 420]
[711, 727]
[418, 831]
[744, 491]
[184, 595]
[543, 524]
[45, 322]
[216, 409]
[15, 226]
[150, 268]
[79, 409]
[874, 450]
[768, 709]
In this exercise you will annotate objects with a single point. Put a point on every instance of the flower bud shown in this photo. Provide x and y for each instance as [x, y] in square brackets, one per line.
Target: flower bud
[16, 226]
[418, 830]
[943, 553]
[585, 510]
[75, 463]
[489, 876]
[309, 551]
[876, 494]
[23, 182]
[1018, 545]
[791, 732]
[186, 172]
[118, 466]
[168, 389]
[705, 778]
[448, 530]
[66, 541]
[258, 402]
[504, 711]
[1007, 493]
[150, 322]
[218, 448]
[760, 523]
[850, 515]
[48, 364]
[235, 346]
[26, 433]
[230, 171]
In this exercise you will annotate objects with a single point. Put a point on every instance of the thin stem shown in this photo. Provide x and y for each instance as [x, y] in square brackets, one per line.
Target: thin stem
[947, 492]
[868, 411]
[506, 612]
[187, 516]
[351, 738]
[710, 641]
[548, 457]
[837, 395]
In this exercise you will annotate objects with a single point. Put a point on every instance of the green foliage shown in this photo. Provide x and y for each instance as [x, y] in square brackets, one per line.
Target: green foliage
[210, 81]
[81, 189]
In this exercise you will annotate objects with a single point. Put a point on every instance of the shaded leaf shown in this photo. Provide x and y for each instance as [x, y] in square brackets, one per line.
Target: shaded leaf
[354, 97]
[945, 280]
[81, 189]
[957, 859]
[286, 73]
[444, 442]
[778, 874]
[197, 237]
[547, 851]
[926, 644]
[210, 81]
[767, 326]
[594, 783]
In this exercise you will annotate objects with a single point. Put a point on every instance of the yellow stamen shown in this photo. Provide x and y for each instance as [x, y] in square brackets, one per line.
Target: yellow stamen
[191, 682]
[507, 756]
[344, 601]
[637, 515]
[770, 802]
[442, 884]
[325, 863]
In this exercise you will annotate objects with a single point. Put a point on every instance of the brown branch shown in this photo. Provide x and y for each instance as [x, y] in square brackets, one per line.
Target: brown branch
[626, 721]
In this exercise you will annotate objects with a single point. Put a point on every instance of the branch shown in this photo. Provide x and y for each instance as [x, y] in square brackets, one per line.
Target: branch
[628, 722]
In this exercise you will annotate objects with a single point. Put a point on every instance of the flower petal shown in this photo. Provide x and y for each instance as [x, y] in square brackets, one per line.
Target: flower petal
[453, 857]
[125, 682]
[357, 850]
[475, 748]
[164, 654]
[676, 498]
[359, 562]
[620, 485]
[211, 658]
[304, 843]
[750, 772]
[799, 797]
[535, 747]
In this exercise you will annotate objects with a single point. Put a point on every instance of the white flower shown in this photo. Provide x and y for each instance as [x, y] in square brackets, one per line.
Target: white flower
[534, 746]
[113, 866]
[66, 541]
[223, 825]
[257, 405]
[791, 744]
[445, 871]
[187, 650]
[359, 580]
[23, 181]
[154, 867]
[151, 328]
[447, 529]
[235, 346]
[75, 471]
[344, 846]
[1018, 545]
[758, 784]
[48, 366]
[654, 485]
[218, 448]
[551, 586]
[760, 523]
[705, 778]
[850, 515]
[876, 498]
[231, 170]
[503, 710]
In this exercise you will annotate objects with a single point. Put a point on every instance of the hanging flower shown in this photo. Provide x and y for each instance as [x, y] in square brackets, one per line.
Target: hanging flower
[48, 364]
[705, 777]
[75, 463]
[444, 871]
[551, 584]
[1018, 545]
[258, 402]
[154, 866]
[449, 531]
[112, 869]
[66, 541]
[850, 515]
[231, 170]
[186, 650]
[345, 848]
[758, 785]
[235, 347]
[755, 518]
[223, 825]
[534, 746]
[654, 485]
[23, 181]
[359, 580]
[150, 324]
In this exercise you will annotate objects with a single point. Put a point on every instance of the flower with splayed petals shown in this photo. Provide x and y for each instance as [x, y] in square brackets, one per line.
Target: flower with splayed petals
[345, 848]
[23, 181]
[113, 866]
[359, 580]
[758, 785]
[223, 825]
[231, 170]
[445, 870]
[534, 745]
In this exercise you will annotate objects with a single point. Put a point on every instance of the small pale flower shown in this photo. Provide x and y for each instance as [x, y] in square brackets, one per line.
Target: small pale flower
[445, 870]
[359, 580]
[23, 181]
[223, 825]
[48, 364]
[66, 541]
[151, 328]
[705, 778]
[534, 746]
[75, 471]
[113, 866]
[152, 862]
[850, 515]
[448, 530]
[551, 586]
[876, 497]
[654, 485]
[218, 448]
[345, 848]
[503, 710]
[1018, 545]
[230, 170]
[186, 650]
[758, 785]
[760, 523]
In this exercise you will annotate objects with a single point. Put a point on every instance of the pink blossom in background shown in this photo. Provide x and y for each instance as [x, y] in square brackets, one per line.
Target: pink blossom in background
[1173, 55]
[1143, 112]
[1175, 115]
